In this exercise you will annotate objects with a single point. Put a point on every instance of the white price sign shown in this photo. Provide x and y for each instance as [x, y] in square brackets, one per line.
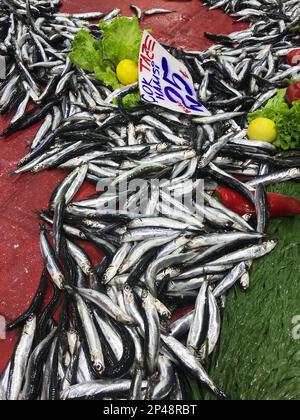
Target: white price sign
[165, 81]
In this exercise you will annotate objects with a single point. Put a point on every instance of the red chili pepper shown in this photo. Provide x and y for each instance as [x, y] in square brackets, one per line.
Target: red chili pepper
[279, 205]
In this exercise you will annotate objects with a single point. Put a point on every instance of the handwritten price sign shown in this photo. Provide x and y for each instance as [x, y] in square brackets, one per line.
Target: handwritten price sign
[165, 81]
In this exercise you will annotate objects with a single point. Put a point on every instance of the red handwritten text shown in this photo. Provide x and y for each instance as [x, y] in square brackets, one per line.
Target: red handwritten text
[147, 54]
[184, 74]
[187, 111]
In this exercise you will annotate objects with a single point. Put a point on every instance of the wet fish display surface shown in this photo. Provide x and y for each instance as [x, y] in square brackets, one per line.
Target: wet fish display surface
[114, 338]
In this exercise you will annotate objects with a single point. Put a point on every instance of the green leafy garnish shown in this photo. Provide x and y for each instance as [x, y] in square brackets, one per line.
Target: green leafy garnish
[132, 100]
[286, 119]
[108, 76]
[87, 51]
[121, 40]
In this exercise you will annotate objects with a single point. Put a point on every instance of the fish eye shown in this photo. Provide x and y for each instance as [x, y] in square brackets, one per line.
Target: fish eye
[98, 367]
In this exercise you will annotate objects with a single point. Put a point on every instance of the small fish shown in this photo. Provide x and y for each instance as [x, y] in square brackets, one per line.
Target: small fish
[152, 332]
[20, 360]
[189, 362]
[217, 118]
[137, 10]
[51, 261]
[104, 303]
[158, 11]
[251, 253]
[94, 347]
[197, 326]
[275, 178]
[230, 280]
[214, 326]
[98, 389]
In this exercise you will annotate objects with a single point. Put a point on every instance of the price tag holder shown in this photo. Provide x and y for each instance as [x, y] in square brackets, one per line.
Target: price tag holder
[165, 81]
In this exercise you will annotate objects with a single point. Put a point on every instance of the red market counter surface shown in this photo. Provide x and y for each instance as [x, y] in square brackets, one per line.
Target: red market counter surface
[22, 196]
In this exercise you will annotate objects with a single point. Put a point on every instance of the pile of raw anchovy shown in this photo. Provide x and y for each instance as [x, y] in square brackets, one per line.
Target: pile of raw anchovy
[113, 338]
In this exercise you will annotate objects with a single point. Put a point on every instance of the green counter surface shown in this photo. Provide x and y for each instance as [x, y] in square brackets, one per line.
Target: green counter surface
[258, 358]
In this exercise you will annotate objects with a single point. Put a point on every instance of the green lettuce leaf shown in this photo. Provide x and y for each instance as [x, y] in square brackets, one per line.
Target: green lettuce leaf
[122, 39]
[87, 51]
[108, 76]
[287, 120]
[132, 100]
[278, 101]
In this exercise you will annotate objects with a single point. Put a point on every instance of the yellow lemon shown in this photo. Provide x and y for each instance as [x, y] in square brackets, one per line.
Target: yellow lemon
[262, 129]
[127, 72]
